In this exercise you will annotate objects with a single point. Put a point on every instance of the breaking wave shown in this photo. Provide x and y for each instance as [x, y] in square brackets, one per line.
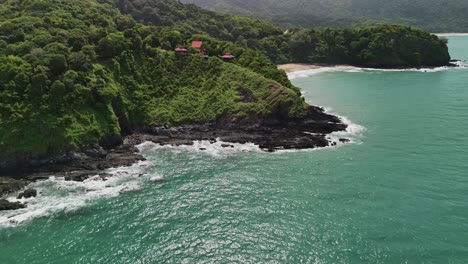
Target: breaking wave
[451, 34]
[218, 149]
[57, 195]
[353, 132]
[460, 65]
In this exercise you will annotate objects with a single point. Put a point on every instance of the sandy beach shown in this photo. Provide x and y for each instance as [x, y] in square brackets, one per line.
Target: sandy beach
[293, 67]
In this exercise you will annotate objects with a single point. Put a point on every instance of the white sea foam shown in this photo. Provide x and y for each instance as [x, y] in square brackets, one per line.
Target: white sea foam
[311, 72]
[217, 149]
[221, 149]
[353, 132]
[156, 178]
[57, 195]
[451, 34]
[461, 65]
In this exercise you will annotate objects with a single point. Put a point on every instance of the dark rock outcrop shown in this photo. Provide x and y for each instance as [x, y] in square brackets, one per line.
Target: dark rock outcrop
[85, 166]
[27, 194]
[125, 155]
[7, 205]
[9, 185]
[270, 134]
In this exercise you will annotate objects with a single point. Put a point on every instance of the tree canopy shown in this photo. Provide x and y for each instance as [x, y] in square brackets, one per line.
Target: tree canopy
[80, 72]
[430, 15]
[74, 73]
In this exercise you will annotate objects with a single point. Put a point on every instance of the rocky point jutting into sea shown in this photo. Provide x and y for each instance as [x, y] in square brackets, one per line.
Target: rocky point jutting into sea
[269, 134]
[82, 82]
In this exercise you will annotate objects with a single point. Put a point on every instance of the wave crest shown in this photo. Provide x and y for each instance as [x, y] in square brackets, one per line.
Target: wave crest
[57, 195]
[460, 65]
[218, 149]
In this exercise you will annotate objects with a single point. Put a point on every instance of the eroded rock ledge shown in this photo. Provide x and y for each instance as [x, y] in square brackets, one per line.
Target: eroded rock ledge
[270, 135]
[306, 133]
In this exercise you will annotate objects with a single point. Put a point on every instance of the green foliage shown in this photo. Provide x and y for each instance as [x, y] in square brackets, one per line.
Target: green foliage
[191, 19]
[250, 39]
[431, 15]
[75, 72]
[381, 46]
[194, 90]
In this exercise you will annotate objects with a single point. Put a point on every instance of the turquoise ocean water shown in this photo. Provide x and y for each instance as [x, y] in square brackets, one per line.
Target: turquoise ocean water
[398, 194]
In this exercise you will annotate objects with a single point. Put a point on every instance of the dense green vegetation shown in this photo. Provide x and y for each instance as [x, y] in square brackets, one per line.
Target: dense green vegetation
[177, 23]
[253, 41]
[76, 73]
[383, 46]
[430, 15]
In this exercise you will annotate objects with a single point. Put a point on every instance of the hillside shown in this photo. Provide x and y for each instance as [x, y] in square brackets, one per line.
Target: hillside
[70, 79]
[430, 15]
[252, 40]
[74, 74]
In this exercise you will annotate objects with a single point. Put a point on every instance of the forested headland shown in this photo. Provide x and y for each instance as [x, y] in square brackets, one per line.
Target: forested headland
[78, 73]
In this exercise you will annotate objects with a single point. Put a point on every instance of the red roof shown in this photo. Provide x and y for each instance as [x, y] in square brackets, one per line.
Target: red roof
[197, 44]
[228, 56]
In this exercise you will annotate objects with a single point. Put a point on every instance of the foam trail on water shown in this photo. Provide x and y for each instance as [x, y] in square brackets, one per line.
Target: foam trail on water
[460, 65]
[57, 195]
[451, 34]
[218, 149]
[311, 72]
[353, 132]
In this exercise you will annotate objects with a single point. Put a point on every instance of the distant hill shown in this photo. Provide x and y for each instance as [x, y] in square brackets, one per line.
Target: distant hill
[430, 15]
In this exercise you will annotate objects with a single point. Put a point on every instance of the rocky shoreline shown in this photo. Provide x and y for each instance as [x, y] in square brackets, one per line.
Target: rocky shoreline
[306, 133]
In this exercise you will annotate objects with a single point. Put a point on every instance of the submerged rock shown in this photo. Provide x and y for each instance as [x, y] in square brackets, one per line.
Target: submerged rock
[9, 185]
[344, 140]
[7, 205]
[27, 194]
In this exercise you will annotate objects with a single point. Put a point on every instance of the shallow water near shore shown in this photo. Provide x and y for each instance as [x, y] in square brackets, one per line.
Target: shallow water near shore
[398, 195]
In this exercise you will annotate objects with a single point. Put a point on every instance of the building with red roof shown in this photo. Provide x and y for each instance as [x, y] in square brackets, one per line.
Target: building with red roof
[197, 44]
[228, 56]
[181, 51]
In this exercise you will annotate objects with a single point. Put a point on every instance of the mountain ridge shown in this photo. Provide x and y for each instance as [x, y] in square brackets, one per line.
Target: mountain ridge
[430, 15]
